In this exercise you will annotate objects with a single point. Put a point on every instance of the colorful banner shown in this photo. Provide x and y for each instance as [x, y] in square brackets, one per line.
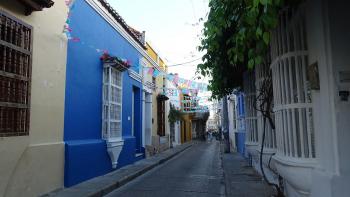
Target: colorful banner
[150, 71]
[184, 84]
[156, 73]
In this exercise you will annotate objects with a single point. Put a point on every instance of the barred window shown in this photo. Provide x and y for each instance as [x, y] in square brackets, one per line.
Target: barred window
[15, 75]
[292, 95]
[112, 103]
[161, 117]
[249, 109]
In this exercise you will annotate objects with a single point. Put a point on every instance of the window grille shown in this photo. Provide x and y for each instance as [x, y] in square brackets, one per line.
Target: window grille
[249, 106]
[112, 103]
[292, 97]
[234, 114]
[161, 117]
[189, 103]
[15, 76]
[240, 113]
[261, 74]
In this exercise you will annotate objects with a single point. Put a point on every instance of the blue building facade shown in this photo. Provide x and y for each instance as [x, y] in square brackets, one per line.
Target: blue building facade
[86, 153]
[240, 134]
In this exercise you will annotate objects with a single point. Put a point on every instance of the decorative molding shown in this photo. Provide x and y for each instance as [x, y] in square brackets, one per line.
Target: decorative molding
[133, 74]
[296, 172]
[114, 148]
[150, 85]
[36, 5]
[296, 162]
[47, 144]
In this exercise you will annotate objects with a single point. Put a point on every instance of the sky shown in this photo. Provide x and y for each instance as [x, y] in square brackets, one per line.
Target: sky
[173, 28]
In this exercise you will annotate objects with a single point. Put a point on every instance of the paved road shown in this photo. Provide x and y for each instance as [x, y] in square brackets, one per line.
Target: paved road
[196, 172]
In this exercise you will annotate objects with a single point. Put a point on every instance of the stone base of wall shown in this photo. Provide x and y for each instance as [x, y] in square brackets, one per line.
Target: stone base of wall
[159, 144]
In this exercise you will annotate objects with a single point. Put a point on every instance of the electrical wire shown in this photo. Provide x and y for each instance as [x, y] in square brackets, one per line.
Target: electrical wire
[184, 62]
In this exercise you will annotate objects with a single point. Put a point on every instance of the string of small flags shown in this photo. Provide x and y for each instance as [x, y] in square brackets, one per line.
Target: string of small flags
[186, 86]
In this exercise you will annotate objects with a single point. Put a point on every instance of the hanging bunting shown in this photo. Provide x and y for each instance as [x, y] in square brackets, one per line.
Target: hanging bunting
[182, 83]
[176, 79]
[170, 77]
[189, 83]
[156, 73]
[150, 71]
[185, 91]
[193, 85]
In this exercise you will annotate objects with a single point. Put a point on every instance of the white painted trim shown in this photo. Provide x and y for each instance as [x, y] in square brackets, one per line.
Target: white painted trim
[133, 112]
[108, 102]
[280, 107]
[46, 144]
[114, 139]
[293, 161]
[249, 143]
[133, 74]
[110, 19]
[143, 118]
[288, 55]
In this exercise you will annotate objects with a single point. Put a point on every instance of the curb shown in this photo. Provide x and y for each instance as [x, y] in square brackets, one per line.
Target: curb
[102, 185]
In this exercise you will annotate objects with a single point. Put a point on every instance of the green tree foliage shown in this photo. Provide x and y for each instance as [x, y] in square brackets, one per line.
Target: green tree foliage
[236, 37]
[174, 114]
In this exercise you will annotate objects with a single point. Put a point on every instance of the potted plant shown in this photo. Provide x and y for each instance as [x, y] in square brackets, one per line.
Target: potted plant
[115, 62]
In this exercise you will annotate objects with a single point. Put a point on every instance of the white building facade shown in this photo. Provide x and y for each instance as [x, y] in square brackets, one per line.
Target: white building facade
[306, 152]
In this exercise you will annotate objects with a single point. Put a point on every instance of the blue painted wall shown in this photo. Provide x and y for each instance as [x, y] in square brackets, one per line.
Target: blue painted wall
[86, 154]
[138, 118]
[240, 142]
[240, 135]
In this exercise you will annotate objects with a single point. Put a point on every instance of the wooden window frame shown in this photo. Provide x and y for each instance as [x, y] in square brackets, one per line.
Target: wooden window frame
[161, 117]
[16, 44]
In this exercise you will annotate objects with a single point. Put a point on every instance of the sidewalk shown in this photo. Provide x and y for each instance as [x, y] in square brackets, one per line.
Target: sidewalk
[105, 184]
[241, 179]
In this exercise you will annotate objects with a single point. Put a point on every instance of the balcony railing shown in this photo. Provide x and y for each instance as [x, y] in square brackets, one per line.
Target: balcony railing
[250, 111]
[292, 97]
[262, 72]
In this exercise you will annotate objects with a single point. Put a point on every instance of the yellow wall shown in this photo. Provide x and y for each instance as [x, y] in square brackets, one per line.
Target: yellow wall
[160, 81]
[151, 52]
[186, 122]
[33, 165]
[186, 128]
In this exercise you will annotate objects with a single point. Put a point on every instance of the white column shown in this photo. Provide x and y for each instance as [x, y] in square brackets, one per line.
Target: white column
[144, 118]
[148, 119]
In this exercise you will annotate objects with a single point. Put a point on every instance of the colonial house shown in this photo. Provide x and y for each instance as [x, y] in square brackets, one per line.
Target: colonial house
[32, 81]
[147, 102]
[187, 106]
[304, 149]
[236, 117]
[199, 119]
[160, 104]
[105, 96]
[173, 93]
[213, 121]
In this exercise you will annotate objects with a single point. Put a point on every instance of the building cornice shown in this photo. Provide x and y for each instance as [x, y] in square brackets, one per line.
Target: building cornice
[133, 74]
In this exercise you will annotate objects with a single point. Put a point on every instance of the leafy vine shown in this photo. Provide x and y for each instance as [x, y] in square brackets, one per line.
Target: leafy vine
[174, 114]
[236, 38]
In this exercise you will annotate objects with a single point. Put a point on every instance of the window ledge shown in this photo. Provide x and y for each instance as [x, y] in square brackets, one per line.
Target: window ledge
[114, 140]
[114, 148]
[297, 172]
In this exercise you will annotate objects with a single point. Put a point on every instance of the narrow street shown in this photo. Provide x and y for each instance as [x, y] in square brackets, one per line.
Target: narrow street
[196, 172]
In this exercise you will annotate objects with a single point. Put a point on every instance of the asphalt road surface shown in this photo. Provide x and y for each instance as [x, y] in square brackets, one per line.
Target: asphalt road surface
[195, 172]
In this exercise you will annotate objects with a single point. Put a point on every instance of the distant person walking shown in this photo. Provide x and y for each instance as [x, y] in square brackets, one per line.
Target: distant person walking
[209, 136]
